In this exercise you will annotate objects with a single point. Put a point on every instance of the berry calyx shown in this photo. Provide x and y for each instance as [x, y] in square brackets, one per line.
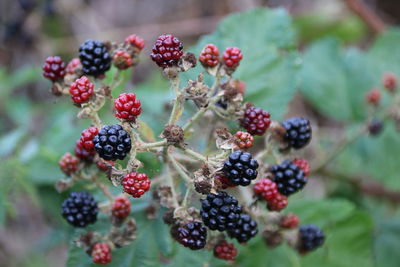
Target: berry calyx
[81, 90]
[121, 207]
[69, 164]
[373, 97]
[112, 142]
[136, 184]
[255, 120]
[278, 203]
[310, 238]
[288, 177]
[209, 56]
[167, 51]
[82, 153]
[232, 57]
[54, 68]
[389, 81]
[225, 251]
[303, 165]
[122, 60]
[243, 140]
[192, 235]
[95, 58]
[104, 165]
[289, 221]
[266, 189]
[220, 211]
[245, 229]
[240, 168]
[80, 209]
[73, 66]
[135, 41]
[128, 107]
[101, 253]
[87, 138]
[298, 132]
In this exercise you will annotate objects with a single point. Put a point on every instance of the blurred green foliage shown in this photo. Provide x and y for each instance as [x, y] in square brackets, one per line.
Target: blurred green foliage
[332, 78]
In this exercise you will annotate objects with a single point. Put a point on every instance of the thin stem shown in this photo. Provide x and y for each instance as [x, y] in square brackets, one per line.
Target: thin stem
[189, 191]
[172, 186]
[153, 144]
[193, 153]
[179, 169]
[96, 119]
[177, 109]
[195, 117]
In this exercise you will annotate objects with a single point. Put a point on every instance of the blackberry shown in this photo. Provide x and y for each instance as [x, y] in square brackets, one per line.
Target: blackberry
[278, 203]
[122, 60]
[289, 221]
[373, 97]
[288, 177]
[220, 211]
[81, 90]
[192, 235]
[241, 168]
[87, 138]
[82, 153]
[95, 58]
[121, 207]
[209, 56]
[136, 184]
[232, 57]
[135, 41]
[101, 253]
[54, 68]
[112, 142]
[80, 209]
[128, 107]
[297, 132]
[265, 189]
[375, 127]
[225, 251]
[243, 140]
[255, 120]
[245, 229]
[167, 51]
[310, 238]
[69, 164]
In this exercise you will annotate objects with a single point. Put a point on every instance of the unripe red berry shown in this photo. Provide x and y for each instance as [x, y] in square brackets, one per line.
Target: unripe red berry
[87, 138]
[373, 97]
[225, 251]
[82, 153]
[389, 81]
[224, 181]
[73, 65]
[122, 60]
[69, 164]
[303, 165]
[209, 56]
[266, 189]
[290, 221]
[104, 165]
[128, 107]
[101, 253]
[121, 207]
[81, 90]
[243, 140]
[255, 120]
[54, 68]
[136, 184]
[135, 41]
[232, 57]
[167, 51]
[278, 203]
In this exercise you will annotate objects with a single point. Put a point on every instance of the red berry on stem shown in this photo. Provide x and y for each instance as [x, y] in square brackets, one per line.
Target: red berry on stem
[255, 120]
[167, 51]
[266, 189]
[225, 251]
[81, 90]
[232, 57]
[127, 106]
[82, 153]
[278, 203]
[69, 164]
[136, 184]
[373, 97]
[121, 207]
[54, 68]
[74, 64]
[104, 165]
[122, 60]
[389, 81]
[243, 140]
[290, 221]
[135, 41]
[209, 56]
[303, 165]
[101, 253]
[87, 138]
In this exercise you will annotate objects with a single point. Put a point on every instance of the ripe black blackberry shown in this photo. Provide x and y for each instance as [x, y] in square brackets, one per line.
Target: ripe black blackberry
[80, 209]
[241, 168]
[220, 211]
[375, 127]
[112, 142]
[310, 238]
[95, 58]
[245, 229]
[192, 235]
[288, 177]
[298, 132]
[167, 51]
